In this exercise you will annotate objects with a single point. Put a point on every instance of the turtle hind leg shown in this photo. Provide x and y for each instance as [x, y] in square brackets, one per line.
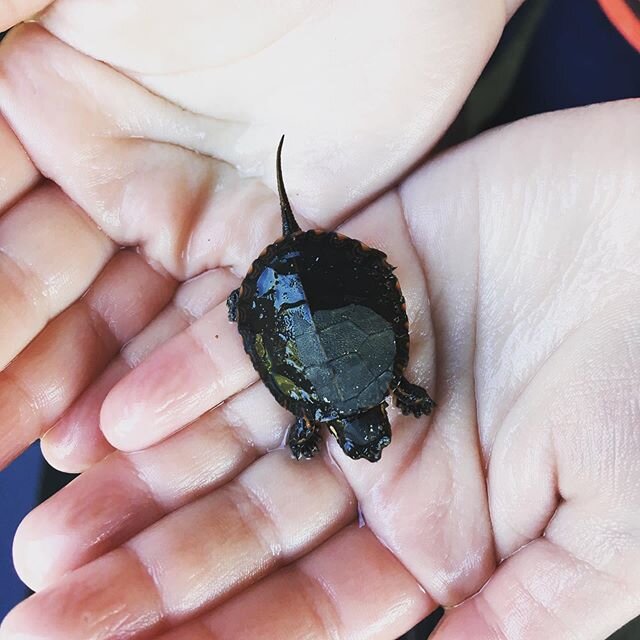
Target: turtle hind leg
[411, 398]
[304, 438]
[232, 305]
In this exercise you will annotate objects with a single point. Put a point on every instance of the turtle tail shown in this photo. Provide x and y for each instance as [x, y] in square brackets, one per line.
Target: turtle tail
[289, 224]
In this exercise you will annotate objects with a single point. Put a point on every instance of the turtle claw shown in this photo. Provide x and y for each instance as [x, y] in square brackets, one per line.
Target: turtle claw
[304, 449]
[410, 398]
[232, 305]
[304, 439]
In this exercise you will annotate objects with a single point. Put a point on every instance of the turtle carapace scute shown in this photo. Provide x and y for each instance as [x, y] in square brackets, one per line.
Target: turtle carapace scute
[323, 320]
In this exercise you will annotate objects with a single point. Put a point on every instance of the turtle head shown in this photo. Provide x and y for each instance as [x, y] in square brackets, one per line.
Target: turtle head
[363, 435]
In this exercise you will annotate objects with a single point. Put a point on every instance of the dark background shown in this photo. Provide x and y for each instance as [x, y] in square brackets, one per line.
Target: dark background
[554, 54]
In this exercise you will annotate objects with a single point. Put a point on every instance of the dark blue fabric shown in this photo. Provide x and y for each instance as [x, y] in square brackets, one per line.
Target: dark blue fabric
[19, 493]
[577, 57]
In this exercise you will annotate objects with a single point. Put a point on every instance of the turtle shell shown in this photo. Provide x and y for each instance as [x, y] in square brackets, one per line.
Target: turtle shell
[324, 321]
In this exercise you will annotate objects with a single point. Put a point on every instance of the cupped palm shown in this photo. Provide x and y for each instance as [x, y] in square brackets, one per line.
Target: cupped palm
[517, 253]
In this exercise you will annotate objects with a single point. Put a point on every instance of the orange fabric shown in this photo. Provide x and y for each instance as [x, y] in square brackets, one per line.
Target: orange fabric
[625, 20]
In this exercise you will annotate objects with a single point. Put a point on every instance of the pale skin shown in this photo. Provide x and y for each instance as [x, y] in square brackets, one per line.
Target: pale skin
[518, 500]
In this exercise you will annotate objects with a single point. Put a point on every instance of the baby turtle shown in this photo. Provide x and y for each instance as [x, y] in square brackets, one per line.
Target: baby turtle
[323, 320]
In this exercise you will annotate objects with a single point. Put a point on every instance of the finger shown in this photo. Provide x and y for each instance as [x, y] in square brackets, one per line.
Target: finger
[14, 11]
[126, 493]
[50, 252]
[191, 373]
[197, 555]
[17, 173]
[75, 442]
[40, 384]
[350, 587]
[543, 591]
[196, 203]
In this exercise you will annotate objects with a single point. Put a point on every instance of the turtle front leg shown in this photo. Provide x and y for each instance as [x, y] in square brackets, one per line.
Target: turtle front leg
[232, 305]
[304, 438]
[411, 398]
